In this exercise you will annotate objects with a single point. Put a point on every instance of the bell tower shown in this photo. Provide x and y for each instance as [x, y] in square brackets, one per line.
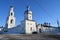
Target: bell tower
[10, 22]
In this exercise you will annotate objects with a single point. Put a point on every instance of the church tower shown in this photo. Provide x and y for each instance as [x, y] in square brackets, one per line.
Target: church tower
[28, 14]
[10, 22]
[28, 25]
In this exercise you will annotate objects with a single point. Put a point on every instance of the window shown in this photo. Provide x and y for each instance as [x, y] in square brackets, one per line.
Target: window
[28, 23]
[31, 28]
[11, 21]
[31, 24]
[11, 14]
[30, 16]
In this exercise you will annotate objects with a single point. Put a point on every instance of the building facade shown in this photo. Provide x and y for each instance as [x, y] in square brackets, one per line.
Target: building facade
[46, 28]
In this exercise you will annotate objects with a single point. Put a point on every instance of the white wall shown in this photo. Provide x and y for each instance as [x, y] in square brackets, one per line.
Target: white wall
[9, 24]
[29, 25]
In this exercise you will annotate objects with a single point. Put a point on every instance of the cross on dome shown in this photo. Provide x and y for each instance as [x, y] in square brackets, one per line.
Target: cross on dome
[28, 7]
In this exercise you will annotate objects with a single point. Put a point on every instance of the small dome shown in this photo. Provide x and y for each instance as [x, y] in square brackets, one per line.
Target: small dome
[29, 11]
[28, 7]
[11, 6]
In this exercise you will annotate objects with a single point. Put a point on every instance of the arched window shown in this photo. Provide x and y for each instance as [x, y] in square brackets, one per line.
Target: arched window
[11, 21]
[31, 28]
[11, 14]
[30, 16]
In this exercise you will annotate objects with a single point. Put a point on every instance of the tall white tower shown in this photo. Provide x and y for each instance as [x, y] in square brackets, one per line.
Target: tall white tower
[10, 22]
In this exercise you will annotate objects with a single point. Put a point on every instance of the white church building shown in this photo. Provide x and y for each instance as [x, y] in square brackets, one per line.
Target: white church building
[26, 26]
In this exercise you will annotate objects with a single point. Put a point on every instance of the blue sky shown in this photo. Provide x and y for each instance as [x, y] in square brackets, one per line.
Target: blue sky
[43, 10]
